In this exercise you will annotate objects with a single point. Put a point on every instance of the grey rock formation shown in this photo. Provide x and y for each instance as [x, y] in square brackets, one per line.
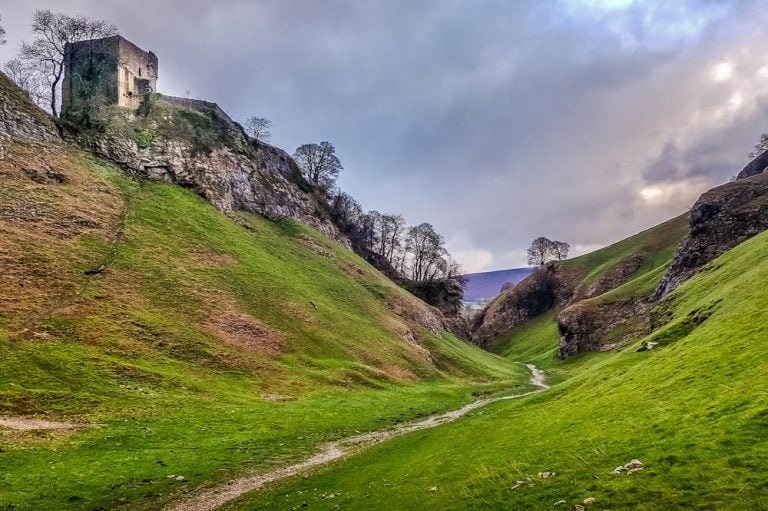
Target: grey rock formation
[22, 119]
[232, 171]
[722, 218]
[755, 167]
[547, 287]
[600, 325]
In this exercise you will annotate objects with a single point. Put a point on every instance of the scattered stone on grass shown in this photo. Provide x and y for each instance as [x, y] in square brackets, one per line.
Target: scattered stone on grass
[631, 467]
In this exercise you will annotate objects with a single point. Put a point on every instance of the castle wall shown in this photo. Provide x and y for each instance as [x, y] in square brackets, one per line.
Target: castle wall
[137, 74]
[109, 71]
[90, 73]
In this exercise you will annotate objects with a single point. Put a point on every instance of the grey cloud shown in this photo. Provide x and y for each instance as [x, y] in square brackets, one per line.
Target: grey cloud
[497, 121]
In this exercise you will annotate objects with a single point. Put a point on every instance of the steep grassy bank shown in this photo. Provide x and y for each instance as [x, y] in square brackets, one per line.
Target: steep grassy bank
[182, 343]
[646, 255]
[692, 410]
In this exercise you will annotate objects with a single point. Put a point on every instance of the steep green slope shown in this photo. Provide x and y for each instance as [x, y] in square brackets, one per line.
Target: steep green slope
[656, 246]
[601, 274]
[694, 411]
[180, 342]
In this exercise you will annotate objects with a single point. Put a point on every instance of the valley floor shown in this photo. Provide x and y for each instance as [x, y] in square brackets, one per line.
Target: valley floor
[694, 411]
[151, 346]
[338, 449]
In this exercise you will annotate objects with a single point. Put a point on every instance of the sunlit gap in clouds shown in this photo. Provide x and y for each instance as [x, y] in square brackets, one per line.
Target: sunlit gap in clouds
[644, 23]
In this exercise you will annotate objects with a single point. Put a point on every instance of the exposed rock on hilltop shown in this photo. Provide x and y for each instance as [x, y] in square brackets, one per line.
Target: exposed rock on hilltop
[602, 297]
[755, 167]
[547, 287]
[20, 118]
[722, 218]
[601, 325]
[195, 144]
[614, 295]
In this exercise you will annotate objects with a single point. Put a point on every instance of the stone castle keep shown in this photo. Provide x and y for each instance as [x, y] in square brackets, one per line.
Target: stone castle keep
[112, 71]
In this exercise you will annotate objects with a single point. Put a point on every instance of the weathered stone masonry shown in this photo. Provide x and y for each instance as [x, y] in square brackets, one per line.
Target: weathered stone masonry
[112, 70]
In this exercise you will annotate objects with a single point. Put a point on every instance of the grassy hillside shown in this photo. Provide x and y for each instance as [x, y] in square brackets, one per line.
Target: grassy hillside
[694, 411]
[656, 245]
[537, 340]
[178, 342]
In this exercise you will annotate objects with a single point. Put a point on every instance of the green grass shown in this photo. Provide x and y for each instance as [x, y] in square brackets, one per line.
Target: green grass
[537, 340]
[309, 349]
[694, 410]
[656, 245]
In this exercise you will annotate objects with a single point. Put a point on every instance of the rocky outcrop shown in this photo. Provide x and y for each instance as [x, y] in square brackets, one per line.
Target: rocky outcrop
[722, 218]
[611, 279]
[195, 144]
[755, 167]
[601, 325]
[22, 119]
[547, 287]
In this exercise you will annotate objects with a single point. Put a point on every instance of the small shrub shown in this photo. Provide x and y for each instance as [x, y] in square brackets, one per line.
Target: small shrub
[144, 137]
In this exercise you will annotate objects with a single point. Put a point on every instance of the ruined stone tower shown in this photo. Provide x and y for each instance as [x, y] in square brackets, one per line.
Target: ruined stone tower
[108, 71]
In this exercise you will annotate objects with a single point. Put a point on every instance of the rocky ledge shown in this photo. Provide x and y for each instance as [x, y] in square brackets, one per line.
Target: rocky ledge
[194, 143]
[722, 218]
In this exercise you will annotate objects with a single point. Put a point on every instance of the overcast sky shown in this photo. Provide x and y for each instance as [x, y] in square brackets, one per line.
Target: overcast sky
[495, 120]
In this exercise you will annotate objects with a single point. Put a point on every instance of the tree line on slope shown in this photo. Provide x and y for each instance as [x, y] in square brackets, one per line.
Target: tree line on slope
[405, 253]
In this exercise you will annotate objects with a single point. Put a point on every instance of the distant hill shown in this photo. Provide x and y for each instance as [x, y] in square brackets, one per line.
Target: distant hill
[486, 285]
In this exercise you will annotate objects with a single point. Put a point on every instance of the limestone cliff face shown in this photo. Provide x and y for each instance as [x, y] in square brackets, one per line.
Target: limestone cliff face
[600, 325]
[547, 287]
[591, 314]
[20, 118]
[195, 144]
[755, 167]
[722, 218]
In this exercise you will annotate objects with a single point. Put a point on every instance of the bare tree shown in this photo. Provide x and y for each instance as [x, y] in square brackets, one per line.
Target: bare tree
[560, 250]
[259, 128]
[391, 231]
[29, 79]
[53, 31]
[347, 214]
[760, 147]
[319, 163]
[426, 252]
[345, 210]
[373, 220]
[539, 251]
[543, 250]
[2, 33]
[368, 231]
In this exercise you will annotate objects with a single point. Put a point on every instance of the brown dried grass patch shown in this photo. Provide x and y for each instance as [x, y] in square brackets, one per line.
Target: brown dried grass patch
[244, 331]
[206, 257]
[399, 373]
[48, 201]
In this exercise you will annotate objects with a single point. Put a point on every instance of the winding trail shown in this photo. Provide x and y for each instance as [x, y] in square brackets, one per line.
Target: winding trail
[213, 498]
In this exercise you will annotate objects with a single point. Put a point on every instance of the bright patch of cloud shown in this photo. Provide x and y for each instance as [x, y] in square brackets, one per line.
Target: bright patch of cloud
[736, 101]
[644, 24]
[474, 261]
[673, 192]
[722, 72]
[599, 5]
